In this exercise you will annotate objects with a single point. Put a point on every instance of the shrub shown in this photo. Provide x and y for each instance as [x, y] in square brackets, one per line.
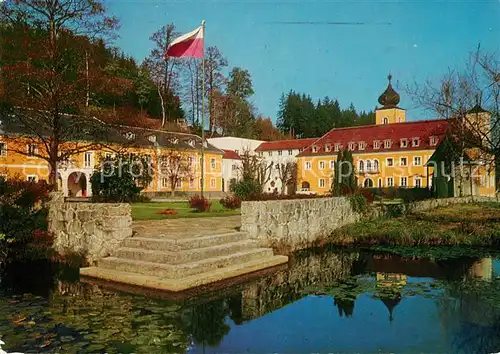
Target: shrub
[246, 189]
[200, 203]
[231, 202]
[23, 217]
[358, 203]
[395, 210]
[121, 179]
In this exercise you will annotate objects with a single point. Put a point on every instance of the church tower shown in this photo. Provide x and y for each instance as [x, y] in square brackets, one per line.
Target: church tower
[389, 112]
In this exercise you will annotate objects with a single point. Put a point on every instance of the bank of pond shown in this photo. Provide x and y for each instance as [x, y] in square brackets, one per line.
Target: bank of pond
[364, 300]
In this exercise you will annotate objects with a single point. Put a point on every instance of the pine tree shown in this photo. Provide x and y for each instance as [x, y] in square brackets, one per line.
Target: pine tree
[344, 177]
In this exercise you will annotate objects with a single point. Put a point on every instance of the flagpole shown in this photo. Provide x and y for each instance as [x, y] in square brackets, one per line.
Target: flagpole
[203, 114]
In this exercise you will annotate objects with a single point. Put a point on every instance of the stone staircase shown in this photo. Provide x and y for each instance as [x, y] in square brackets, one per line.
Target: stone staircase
[177, 263]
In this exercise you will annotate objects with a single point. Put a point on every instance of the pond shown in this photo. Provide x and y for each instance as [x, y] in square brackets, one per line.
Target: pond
[327, 300]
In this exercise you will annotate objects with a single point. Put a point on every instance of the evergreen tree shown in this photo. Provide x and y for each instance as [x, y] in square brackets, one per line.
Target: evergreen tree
[344, 175]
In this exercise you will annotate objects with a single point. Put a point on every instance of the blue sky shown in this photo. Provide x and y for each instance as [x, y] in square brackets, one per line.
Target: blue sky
[414, 40]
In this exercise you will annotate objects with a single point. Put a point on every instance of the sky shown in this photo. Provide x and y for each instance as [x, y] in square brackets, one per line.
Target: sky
[300, 45]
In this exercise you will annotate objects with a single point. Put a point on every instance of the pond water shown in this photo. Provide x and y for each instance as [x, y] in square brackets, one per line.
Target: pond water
[327, 300]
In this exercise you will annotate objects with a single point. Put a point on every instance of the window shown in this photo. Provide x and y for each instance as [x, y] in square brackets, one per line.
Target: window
[32, 149]
[332, 164]
[328, 147]
[337, 147]
[376, 144]
[321, 183]
[191, 183]
[433, 140]
[322, 165]
[88, 157]
[152, 138]
[178, 184]
[404, 143]
[280, 152]
[417, 161]
[234, 167]
[389, 162]
[415, 142]
[418, 182]
[31, 178]
[270, 153]
[308, 165]
[368, 165]
[386, 120]
[3, 149]
[390, 182]
[212, 163]
[403, 161]
[403, 182]
[261, 153]
[361, 166]
[301, 149]
[290, 152]
[164, 182]
[314, 148]
[375, 165]
[129, 136]
[380, 182]
[387, 143]
[362, 145]
[213, 182]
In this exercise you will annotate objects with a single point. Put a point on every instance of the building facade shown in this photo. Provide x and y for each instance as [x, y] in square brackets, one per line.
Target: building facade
[390, 153]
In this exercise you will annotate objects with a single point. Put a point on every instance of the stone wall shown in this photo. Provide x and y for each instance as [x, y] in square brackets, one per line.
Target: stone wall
[289, 225]
[93, 230]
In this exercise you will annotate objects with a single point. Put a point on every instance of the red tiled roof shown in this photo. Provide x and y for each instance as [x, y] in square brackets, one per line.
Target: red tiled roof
[285, 144]
[368, 134]
[231, 154]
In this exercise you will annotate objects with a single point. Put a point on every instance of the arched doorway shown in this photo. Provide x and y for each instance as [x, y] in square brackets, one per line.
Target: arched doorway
[368, 183]
[77, 185]
[305, 186]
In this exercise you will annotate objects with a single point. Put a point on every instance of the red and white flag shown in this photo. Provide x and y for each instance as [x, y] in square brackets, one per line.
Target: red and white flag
[188, 45]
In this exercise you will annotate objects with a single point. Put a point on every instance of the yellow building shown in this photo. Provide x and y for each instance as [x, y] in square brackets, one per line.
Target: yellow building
[18, 159]
[390, 153]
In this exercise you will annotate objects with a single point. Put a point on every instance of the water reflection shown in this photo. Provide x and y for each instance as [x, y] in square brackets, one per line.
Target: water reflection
[327, 300]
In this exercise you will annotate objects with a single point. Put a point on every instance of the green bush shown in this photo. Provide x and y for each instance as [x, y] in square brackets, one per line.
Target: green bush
[121, 179]
[23, 217]
[246, 189]
[358, 203]
[407, 194]
[395, 210]
[231, 202]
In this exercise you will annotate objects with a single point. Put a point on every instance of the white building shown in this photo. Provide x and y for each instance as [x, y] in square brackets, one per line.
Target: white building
[238, 145]
[278, 154]
[231, 168]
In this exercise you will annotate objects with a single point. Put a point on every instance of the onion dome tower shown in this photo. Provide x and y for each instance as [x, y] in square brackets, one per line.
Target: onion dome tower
[389, 112]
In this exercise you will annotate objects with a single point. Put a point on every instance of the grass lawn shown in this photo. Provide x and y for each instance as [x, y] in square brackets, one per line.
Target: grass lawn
[461, 224]
[148, 211]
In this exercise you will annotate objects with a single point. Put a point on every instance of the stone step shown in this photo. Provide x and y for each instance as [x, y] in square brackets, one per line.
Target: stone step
[155, 282]
[168, 244]
[175, 271]
[184, 256]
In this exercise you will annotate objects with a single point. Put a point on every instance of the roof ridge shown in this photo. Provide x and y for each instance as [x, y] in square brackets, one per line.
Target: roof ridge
[384, 125]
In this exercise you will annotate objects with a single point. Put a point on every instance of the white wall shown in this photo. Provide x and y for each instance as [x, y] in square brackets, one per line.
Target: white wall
[235, 144]
[228, 172]
[275, 158]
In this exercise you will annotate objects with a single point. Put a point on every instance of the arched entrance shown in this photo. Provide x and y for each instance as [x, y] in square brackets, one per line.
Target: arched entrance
[368, 183]
[77, 185]
[305, 186]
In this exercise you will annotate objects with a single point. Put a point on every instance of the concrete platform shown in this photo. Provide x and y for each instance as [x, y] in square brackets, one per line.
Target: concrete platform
[174, 257]
[188, 282]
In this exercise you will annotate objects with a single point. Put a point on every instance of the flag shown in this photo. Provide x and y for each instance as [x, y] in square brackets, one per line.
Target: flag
[188, 45]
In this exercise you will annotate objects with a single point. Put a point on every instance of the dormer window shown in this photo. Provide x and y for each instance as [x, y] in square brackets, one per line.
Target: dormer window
[336, 147]
[129, 136]
[386, 120]
[174, 141]
[314, 148]
[376, 144]
[191, 143]
[351, 146]
[387, 144]
[152, 138]
[433, 140]
[415, 142]
[328, 147]
[362, 145]
[404, 143]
